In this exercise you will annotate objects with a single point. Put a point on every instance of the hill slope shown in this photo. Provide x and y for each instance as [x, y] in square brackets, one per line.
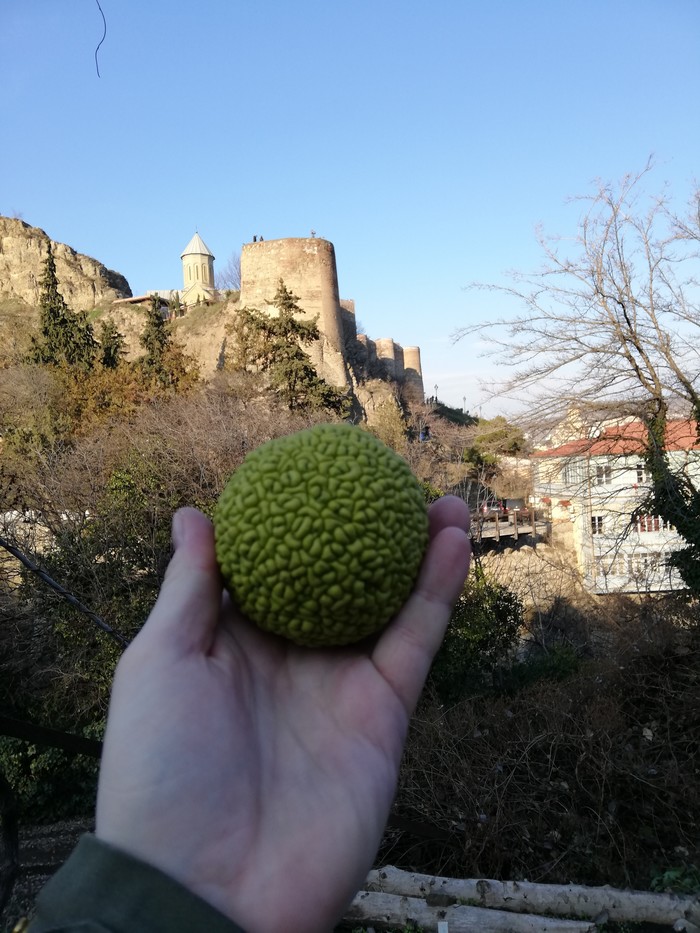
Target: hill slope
[85, 282]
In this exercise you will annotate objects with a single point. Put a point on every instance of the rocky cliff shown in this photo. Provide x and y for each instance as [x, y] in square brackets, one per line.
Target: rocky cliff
[84, 282]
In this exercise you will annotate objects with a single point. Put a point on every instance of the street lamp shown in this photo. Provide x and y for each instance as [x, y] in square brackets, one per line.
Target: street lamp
[436, 393]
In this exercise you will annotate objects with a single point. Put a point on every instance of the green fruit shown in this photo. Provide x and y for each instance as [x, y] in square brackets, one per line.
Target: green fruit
[320, 535]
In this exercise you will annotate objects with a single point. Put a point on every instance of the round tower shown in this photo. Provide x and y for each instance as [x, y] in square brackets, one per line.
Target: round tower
[413, 373]
[386, 353]
[308, 268]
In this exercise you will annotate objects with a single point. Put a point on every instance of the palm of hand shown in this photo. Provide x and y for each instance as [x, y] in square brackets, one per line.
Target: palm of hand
[258, 774]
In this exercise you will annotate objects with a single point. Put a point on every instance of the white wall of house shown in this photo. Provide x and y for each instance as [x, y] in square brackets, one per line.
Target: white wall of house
[597, 497]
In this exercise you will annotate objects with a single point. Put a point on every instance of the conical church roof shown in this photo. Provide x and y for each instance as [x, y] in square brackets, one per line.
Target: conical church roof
[197, 247]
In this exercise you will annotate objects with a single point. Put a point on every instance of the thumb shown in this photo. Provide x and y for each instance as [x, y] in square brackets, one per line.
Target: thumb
[186, 612]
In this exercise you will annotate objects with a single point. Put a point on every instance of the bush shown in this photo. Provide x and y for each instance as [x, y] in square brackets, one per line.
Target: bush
[49, 784]
[431, 493]
[555, 664]
[589, 778]
[683, 879]
[482, 634]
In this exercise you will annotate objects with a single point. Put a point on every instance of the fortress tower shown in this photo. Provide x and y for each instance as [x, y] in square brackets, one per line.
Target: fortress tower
[308, 268]
[342, 357]
[197, 272]
[413, 373]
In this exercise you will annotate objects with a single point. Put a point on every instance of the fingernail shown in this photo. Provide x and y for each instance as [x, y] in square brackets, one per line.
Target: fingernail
[178, 530]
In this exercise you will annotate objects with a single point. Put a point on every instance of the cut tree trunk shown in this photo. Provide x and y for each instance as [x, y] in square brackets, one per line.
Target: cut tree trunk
[389, 911]
[558, 899]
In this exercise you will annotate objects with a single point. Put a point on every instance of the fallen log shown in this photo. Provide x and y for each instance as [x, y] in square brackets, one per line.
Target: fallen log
[673, 910]
[388, 911]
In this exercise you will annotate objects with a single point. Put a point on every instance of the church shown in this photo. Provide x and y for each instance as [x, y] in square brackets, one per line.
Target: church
[197, 276]
[197, 273]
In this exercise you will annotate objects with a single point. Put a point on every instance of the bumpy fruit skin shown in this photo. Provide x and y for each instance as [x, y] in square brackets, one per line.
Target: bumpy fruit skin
[320, 535]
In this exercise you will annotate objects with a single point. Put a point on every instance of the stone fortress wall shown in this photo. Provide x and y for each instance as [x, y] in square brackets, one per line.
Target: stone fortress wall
[308, 268]
[307, 265]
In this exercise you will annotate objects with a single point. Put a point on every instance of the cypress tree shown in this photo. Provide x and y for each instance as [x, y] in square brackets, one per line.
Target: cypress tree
[155, 339]
[65, 338]
[275, 346]
[111, 345]
[165, 364]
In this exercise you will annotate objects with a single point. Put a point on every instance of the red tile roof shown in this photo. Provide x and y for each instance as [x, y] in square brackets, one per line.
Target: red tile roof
[627, 438]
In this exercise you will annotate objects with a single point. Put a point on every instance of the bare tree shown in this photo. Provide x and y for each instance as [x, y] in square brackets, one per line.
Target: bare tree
[229, 278]
[612, 321]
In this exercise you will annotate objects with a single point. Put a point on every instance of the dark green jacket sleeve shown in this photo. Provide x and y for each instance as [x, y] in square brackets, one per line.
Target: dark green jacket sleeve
[102, 890]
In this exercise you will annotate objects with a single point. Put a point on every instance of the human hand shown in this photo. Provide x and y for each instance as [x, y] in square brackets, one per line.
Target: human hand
[257, 773]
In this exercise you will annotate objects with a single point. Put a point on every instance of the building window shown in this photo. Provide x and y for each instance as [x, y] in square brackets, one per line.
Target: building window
[643, 475]
[603, 474]
[618, 566]
[649, 523]
[596, 524]
[574, 473]
[645, 565]
[196, 271]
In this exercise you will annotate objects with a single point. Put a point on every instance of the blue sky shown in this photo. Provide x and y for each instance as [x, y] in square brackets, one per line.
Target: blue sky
[425, 140]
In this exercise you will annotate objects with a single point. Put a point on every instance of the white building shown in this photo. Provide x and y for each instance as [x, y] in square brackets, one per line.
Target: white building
[594, 489]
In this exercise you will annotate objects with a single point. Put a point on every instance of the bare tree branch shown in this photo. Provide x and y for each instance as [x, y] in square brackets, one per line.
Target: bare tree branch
[616, 318]
[614, 323]
[229, 278]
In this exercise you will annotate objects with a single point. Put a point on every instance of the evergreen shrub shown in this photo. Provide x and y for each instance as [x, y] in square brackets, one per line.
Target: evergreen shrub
[481, 637]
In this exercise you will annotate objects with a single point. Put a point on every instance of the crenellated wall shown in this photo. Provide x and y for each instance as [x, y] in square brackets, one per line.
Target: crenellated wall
[347, 317]
[384, 357]
[308, 268]
[398, 361]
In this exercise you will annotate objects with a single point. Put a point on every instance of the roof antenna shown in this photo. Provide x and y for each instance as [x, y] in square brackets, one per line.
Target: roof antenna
[104, 35]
